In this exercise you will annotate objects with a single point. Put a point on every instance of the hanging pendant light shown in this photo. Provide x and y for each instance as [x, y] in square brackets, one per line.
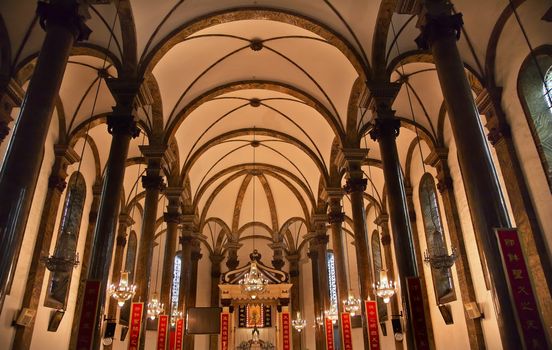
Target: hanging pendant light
[253, 282]
[332, 313]
[351, 304]
[122, 291]
[299, 323]
[155, 307]
[384, 288]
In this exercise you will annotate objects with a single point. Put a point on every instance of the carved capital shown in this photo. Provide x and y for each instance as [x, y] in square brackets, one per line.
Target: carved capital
[355, 185]
[121, 240]
[152, 182]
[232, 262]
[435, 27]
[385, 127]
[57, 182]
[70, 14]
[122, 125]
[385, 239]
[216, 259]
[336, 217]
[498, 132]
[278, 263]
[172, 217]
[444, 184]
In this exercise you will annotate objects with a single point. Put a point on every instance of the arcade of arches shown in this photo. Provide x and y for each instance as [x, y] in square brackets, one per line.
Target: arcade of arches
[344, 140]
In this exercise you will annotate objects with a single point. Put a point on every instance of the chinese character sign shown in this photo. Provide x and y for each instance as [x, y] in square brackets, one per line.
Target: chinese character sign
[372, 324]
[88, 314]
[286, 331]
[417, 315]
[136, 312]
[162, 328]
[224, 331]
[179, 334]
[346, 331]
[521, 289]
[329, 334]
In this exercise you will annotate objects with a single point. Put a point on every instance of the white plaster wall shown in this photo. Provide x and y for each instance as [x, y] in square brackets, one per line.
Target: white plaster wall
[12, 303]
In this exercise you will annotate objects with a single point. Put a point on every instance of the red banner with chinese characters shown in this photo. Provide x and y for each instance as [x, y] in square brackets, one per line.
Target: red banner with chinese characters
[162, 328]
[179, 334]
[520, 288]
[224, 331]
[372, 323]
[88, 314]
[286, 331]
[329, 334]
[136, 312]
[346, 331]
[417, 315]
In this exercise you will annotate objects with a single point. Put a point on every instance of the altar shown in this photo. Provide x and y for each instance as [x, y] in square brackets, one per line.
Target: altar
[255, 319]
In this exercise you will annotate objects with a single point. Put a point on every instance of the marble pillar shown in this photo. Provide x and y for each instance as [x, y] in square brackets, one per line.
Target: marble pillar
[440, 29]
[63, 25]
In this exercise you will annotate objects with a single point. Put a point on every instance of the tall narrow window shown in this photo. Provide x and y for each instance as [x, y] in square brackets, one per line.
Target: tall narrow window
[332, 282]
[442, 278]
[66, 244]
[536, 99]
[175, 289]
[378, 265]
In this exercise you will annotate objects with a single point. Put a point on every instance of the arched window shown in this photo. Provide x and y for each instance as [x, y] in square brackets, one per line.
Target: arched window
[435, 238]
[66, 244]
[536, 99]
[378, 265]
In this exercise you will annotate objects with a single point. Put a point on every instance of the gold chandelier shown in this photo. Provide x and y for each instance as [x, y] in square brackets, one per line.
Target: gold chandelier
[122, 291]
[332, 313]
[351, 304]
[253, 282]
[384, 288]
[155, 308]
[299, 323]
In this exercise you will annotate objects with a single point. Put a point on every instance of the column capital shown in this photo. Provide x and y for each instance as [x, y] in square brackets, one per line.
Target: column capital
[172, 217]
[385, 239]
[333, 193]
[336, 217]
[64, 156]
[70, 14]
[216, 258]
[382, 219]
[125, 219]
[121, 239]
[385, 127]
[436, 21]
[56, 181]
[152, 182]
[498, 130]
[122, 125]
[351, 159]
[381, 95]
[356, 185]
[173, 193]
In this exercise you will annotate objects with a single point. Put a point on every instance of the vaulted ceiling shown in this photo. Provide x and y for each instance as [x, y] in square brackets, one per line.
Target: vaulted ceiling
[254, 97]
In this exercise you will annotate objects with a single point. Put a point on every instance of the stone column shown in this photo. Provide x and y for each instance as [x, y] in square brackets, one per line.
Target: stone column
[383, 221]
[122, 127]
[438, 159]
[85, 261]
[232, 262]
[531, 235]
[21, 166]
[186, 240]
[352, 159]
[294, 277]
[336, 217]
[65, 156]
[216, 260]
[278, 257]
[385, 131]
[172, 219]
[440, 30]
[152, 183]
[320, 336]
[191, 297]
[124, 222]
